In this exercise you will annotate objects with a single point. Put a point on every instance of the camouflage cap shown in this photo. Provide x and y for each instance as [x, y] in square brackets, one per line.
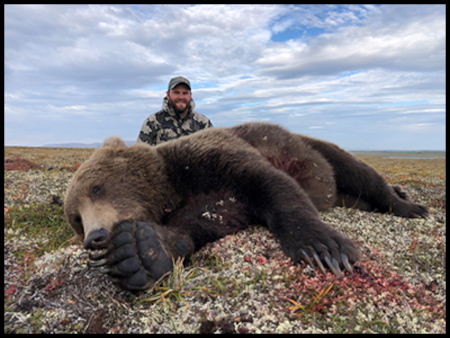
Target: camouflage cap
[179, 80]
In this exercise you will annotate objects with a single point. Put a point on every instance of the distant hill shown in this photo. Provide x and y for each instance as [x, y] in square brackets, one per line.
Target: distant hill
[80, 145]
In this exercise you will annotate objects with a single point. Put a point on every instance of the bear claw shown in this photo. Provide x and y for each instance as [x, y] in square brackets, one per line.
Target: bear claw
[333, 264]
[96, 262]
[307, 258]
[346, 263]
[319, 263]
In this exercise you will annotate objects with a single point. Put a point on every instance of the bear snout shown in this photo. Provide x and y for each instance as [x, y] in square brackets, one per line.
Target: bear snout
[96, 239]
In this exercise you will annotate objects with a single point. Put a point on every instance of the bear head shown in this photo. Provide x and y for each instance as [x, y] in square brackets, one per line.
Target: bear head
[117, 183]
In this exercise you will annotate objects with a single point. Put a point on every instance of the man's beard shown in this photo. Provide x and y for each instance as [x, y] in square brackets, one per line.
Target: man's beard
[176, 110]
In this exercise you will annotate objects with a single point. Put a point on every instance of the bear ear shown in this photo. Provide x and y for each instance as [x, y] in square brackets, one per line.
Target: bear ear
[114, 141]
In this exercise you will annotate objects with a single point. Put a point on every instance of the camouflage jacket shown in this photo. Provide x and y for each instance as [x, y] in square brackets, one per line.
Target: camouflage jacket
[165, 125]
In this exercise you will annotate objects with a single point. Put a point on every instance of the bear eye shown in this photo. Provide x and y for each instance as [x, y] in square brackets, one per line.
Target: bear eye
[96, 190]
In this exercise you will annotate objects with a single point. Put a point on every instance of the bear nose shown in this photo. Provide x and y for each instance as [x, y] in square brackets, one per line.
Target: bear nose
[96, 239]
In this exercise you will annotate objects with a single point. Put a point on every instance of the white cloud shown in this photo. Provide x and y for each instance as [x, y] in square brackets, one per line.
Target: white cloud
[337, 65]
[413, 40]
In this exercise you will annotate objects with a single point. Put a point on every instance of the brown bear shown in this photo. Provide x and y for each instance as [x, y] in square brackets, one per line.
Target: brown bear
[140, 206]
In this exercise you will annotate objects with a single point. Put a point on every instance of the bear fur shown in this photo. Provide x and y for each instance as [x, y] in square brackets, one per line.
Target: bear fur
[145, 204]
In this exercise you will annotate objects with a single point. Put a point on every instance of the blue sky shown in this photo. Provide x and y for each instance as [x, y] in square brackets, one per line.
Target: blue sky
[364, 77]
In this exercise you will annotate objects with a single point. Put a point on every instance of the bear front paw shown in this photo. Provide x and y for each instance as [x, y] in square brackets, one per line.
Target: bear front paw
[333, 251]
[134, 256]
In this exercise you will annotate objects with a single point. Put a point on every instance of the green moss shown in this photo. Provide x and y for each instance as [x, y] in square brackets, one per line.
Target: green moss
[36, 221]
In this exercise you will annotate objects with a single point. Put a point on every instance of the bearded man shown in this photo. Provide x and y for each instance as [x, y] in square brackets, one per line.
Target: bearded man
[177, 117]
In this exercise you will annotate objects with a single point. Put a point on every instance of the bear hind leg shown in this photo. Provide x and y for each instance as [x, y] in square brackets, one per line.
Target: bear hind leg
[356, 178]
